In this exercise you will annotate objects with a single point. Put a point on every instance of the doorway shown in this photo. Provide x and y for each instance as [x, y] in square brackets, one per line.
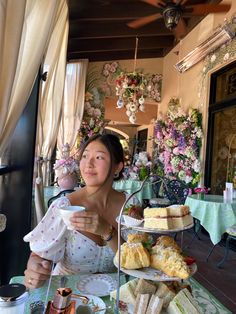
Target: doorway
[221, 137]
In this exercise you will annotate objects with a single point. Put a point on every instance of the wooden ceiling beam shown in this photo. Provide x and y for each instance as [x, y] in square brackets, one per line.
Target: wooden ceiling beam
[95, 56]
[115, 29]
[120, 43]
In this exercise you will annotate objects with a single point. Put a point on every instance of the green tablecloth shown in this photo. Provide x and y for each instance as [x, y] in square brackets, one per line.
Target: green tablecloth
[131, 186]
[214, 214]
[208, 303]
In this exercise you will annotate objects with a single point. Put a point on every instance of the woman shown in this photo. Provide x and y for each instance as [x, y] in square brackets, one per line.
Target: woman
[90, 247]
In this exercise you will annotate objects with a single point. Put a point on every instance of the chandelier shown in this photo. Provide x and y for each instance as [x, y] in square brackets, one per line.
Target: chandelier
[131, 89]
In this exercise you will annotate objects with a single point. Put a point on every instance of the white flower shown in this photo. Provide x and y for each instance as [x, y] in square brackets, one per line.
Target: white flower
[97, 112]
[226, 56]
[213, 58]
[196, 165]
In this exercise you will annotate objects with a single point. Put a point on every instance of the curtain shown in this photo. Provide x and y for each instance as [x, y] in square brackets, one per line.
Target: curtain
[22, 46]
[50, 103]
[73, 108]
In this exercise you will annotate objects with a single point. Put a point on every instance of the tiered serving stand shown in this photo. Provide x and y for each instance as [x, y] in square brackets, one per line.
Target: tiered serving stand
[145, 273]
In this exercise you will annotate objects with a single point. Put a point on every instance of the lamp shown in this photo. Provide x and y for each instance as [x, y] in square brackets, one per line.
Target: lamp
[172, 15]
[131, 90]
[217, 39]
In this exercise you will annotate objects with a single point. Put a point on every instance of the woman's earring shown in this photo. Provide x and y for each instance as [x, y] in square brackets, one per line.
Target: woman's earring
[116, 175]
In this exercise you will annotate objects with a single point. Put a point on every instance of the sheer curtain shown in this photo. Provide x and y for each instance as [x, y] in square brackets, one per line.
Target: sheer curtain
[50, 103]
[73, 108]
[22, 47]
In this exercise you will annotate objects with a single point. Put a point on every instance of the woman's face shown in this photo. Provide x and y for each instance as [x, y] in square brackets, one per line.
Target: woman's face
[95, 164]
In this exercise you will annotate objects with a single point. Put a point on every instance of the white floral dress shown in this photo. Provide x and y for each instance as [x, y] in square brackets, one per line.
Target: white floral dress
[72, 251]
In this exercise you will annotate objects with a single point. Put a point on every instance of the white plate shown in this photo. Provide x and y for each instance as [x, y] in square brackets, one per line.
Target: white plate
[150, 273]
[93, 301]
[150, 230]
[98, 284]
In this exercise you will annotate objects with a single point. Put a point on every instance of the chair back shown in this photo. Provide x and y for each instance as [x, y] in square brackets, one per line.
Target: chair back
[176, 191]
[62, 193]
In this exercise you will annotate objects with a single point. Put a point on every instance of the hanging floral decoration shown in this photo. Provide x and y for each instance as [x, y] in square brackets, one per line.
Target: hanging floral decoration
[131, 88]
[178, 139]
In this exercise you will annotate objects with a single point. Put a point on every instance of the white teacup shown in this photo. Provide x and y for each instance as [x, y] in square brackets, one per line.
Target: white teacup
[67, 212]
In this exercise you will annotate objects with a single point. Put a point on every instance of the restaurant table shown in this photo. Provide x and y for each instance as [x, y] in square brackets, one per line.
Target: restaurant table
[131, 186]
[207, 302]
[214, 214]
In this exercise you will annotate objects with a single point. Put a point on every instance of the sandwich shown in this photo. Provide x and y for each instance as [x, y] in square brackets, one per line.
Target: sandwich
[173, 217]
[145, 287]
[183, 303]
[155, 305]
[126, 292]
[166, 293]
[141, 303]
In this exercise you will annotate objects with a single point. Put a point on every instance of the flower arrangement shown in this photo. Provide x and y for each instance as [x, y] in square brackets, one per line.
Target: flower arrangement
[201, 189]
[129, 85]
[66, 165]
[140, 168]
[93, 117]
[178, 140]
[66, 169]
[154, 87]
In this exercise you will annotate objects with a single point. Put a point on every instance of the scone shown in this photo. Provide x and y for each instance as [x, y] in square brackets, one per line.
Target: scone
[133, 256]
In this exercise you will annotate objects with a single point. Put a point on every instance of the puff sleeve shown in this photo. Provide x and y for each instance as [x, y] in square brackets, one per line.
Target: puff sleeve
[48, 238]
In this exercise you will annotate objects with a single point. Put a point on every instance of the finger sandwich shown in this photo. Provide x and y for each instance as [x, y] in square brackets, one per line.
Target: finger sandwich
[183, 303]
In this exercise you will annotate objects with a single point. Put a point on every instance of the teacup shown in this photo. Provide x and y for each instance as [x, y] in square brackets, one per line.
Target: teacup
[67, 212]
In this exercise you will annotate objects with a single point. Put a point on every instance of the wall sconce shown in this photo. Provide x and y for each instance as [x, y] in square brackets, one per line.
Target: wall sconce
[217, 39]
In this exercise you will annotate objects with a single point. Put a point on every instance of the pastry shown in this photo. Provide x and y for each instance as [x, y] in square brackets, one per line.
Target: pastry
[168, 241]
[133, 256]
[169, 261]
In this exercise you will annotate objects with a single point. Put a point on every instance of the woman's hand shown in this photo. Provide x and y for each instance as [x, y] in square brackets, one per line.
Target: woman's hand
[37, 272]
[89, 221]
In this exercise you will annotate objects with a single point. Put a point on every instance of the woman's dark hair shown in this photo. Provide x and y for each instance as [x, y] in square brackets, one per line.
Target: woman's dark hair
[114, 147]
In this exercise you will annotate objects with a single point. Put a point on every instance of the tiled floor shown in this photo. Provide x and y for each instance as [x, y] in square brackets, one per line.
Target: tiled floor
[221, 282]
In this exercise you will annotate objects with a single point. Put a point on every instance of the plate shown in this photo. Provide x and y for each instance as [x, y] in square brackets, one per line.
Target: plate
[93, 301]
[150, 273]
[98, 284]
[150, 230]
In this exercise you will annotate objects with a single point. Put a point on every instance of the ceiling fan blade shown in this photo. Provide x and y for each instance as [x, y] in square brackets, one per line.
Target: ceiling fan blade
[155, 3]
[181, 2]
[180, 30]
[203, 9]
[144, 20]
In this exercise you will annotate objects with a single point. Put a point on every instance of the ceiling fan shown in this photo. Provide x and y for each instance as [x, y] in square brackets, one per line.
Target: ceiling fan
[173, 13]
